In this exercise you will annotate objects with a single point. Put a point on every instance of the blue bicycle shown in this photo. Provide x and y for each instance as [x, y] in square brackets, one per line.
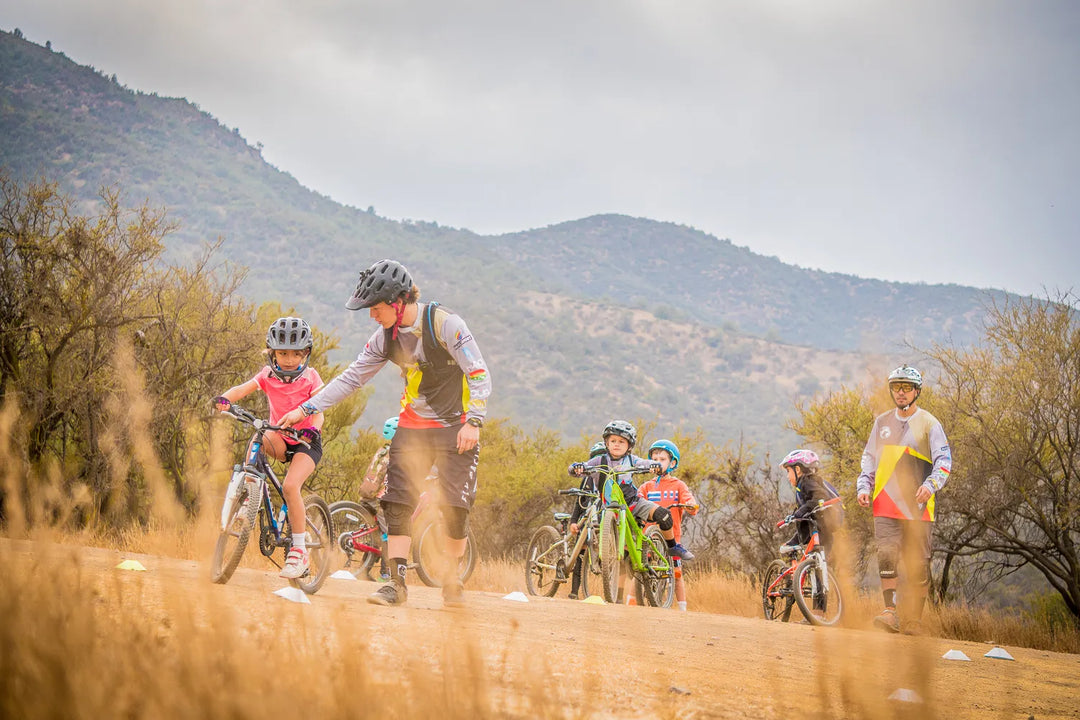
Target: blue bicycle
[248, 500]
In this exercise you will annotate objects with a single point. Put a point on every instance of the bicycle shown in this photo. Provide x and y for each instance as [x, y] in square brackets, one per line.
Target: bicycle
[553, 552]
[248, 500]
[362, 538]
[803, 579]
[646, 552]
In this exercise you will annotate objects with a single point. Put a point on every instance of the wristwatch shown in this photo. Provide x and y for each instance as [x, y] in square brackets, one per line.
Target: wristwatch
[308, 409]
[476, 422]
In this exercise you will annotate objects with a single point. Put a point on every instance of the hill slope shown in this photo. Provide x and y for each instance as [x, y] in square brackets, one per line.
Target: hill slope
[581, 321]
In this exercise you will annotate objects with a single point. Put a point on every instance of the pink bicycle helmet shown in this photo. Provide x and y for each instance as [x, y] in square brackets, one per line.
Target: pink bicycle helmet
[807, 458]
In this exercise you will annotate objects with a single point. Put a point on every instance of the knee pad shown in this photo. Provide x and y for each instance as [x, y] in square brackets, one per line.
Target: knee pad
[457, 522]
[398, 518]
[887, 563]
[662, 517]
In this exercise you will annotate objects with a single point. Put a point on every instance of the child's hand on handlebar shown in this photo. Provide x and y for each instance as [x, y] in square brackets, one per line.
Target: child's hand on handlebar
[577, 469]
[222, 403]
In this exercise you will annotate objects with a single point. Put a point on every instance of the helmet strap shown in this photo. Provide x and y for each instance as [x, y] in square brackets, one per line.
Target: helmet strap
[399, 310]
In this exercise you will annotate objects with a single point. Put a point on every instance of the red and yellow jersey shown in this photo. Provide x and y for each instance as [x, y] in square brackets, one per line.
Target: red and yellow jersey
[902, 454]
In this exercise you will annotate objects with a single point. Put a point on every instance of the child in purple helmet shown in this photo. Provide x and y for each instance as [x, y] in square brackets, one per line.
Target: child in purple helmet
[802, 471]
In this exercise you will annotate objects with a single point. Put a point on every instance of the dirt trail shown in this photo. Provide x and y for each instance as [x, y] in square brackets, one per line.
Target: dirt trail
[705, 666]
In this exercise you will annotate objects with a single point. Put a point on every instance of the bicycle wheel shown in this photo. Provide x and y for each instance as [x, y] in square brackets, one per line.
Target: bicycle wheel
[657, 588]
[590, 568]
[359, 540]
[610, 562]
[542, 561]
[430, 560]
[819, 601]
[319, 539]
[239, 513]
[777, 599]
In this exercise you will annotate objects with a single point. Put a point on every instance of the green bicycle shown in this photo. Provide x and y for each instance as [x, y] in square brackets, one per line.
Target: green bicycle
[624, 545]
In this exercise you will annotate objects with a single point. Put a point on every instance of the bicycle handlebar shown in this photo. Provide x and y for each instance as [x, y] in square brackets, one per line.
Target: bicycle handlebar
[249, 418]
[822, 505]
[579, 492]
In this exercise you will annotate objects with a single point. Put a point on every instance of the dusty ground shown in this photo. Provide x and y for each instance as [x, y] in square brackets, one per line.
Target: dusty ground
[611, 661]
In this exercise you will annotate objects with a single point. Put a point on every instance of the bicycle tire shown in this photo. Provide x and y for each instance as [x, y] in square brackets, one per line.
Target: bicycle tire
[610, 562]
[819, 606]
[655, 591]
[542, 560]
[349, 517]
[777, 604]
[239, 525]
[430, 562]
[319, 532]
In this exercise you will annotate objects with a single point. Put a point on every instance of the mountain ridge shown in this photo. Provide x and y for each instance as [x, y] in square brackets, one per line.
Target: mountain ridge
[525, 294]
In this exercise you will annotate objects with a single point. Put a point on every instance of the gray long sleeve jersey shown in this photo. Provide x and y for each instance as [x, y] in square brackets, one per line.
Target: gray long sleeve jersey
[453, 335]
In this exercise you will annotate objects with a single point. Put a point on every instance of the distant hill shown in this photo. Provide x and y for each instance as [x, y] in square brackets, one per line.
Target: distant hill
[581, 321]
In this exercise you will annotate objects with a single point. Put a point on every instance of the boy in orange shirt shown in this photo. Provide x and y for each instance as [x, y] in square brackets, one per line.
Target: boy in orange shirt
[667, 491]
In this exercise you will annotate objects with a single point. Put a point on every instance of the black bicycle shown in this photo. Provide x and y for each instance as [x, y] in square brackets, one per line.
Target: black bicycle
[248, 501]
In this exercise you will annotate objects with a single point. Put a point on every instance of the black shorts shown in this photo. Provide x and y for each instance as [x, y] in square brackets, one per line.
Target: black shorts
[412, 453]
[314, 452]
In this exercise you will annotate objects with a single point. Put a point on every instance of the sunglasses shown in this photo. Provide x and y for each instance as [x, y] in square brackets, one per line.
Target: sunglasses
[902, 387]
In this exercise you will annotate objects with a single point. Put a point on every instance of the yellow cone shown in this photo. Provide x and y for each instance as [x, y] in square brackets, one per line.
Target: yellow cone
[131, 565]
[594, 600]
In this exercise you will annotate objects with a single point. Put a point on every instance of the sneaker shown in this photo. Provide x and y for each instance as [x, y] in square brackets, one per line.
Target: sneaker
[677, 550]
[573, 596]
[790, 550]
[915, 627]
[453, 594]
[887, 620]
[297, 564]
[392, 593]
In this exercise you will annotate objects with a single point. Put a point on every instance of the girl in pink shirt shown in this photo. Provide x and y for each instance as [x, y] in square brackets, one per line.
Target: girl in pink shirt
[288, 382]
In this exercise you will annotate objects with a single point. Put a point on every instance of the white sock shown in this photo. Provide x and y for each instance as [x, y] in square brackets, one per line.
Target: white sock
[299, 541]
[682, 605]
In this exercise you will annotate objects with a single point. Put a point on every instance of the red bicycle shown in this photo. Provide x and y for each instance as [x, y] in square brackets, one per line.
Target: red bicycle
[803, 578]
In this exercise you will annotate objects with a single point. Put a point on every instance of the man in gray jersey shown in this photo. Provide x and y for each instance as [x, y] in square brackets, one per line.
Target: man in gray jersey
[905, 463]
[443, 408]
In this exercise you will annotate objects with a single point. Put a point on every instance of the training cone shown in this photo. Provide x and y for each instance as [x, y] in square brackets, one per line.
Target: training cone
[905, 695]
[956, 655]
[292, 594]
[343, 575]
[131, 565]
[631, 600]
[1000, 654]
[594, 600]
[516, 596]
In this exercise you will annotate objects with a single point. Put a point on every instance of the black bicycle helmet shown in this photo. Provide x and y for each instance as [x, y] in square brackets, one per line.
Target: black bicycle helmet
[384, 281]
[289, 333]
[623, 429]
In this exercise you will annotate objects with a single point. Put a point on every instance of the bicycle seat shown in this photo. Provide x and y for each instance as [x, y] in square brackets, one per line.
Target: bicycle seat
[561, 516]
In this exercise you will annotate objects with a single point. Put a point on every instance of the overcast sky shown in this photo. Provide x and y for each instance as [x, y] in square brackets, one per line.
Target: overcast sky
[916, 141]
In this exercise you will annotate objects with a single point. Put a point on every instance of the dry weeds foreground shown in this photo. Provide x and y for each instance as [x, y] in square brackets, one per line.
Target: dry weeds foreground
[81, 638]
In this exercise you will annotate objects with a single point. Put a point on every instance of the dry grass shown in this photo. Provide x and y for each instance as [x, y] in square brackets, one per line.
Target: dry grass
[79, 645]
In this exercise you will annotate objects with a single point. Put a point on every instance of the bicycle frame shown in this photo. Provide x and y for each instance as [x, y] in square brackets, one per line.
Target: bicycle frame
[585, 531]
[631, 538]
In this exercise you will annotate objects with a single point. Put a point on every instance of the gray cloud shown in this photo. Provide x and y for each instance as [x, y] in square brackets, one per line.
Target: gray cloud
[918, 141]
